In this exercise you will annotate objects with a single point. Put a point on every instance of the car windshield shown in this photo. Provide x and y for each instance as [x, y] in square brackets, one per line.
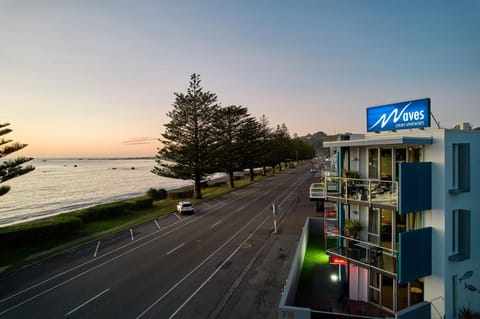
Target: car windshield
[187, 205]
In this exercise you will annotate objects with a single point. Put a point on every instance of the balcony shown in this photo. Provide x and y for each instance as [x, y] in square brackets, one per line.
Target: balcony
[367, 192]
[364, 253]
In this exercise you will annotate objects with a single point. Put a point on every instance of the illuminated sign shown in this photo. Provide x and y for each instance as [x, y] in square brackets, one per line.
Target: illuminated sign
[399, 116]
[332, 260]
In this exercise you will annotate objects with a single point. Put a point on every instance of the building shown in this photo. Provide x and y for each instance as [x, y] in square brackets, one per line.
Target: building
[414, 193]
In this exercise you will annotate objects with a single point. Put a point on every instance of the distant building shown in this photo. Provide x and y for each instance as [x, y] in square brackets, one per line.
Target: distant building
[464, 126]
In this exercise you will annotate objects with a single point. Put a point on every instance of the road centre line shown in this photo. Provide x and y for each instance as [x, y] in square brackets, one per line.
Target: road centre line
[216, 224]
[224, 203]
[131, 233]
[178, 216]
[156, 223]
[88, 301]
[218, 269]
[96, 249]
[204, 261]
[174, 249]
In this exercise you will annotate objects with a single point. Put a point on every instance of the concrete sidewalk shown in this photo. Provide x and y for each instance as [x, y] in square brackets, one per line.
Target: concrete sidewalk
[257, 292]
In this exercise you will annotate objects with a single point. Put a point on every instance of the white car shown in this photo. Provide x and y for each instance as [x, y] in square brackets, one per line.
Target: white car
[185, 207]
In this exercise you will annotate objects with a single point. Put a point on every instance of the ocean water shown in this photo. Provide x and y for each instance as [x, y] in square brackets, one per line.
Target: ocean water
[63, 185]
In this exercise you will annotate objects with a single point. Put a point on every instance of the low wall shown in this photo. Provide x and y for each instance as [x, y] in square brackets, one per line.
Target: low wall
[286, 308]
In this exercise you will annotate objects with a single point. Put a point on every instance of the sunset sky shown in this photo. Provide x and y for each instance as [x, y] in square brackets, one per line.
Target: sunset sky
[96, 78]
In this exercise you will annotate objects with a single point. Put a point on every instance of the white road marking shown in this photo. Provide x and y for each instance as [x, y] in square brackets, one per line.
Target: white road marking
[131, 233]
[114, 258]
[156, 223]
[216, 224]
[201, 264]
[85, 272]
[217, 270]
[178, 216]
[178, 247]
[96, 249]
[88, 301]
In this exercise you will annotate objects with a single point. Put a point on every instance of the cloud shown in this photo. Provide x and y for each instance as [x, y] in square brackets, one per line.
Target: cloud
[140, 140]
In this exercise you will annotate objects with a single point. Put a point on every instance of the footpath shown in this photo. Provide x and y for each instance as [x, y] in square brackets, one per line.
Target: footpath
[257, 292]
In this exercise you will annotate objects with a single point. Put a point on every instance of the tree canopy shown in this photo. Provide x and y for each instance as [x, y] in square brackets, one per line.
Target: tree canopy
[11, 168]
[203, 137]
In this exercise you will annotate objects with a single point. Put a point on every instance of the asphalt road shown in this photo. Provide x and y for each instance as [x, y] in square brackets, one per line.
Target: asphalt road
[171, 267]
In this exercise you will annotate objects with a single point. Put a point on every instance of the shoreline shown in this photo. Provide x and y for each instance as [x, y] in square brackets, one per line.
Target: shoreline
[81, 207]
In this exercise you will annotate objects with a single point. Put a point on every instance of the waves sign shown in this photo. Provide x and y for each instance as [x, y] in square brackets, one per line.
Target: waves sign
[398, 116]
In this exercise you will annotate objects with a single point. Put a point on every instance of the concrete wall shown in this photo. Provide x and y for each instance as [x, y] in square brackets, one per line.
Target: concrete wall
[286, 308]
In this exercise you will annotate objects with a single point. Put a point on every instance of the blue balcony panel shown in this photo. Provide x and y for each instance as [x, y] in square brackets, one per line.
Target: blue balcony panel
[415, 187]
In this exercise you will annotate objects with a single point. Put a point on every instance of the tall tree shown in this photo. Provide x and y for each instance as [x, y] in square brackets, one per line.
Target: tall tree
[266, 147]
[11, 168]
[189, 139]
[251, 145]
[230, 121]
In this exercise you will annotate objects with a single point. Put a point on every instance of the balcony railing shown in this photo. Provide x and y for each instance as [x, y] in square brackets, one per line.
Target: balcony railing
[362, 191]
[364, 253]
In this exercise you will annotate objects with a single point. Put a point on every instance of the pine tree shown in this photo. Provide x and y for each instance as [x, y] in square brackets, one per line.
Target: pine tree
[11, 168]
[230, 122]
[189, 140]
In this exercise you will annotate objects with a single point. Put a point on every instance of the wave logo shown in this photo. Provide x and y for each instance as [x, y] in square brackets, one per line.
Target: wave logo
[384, 119]
[399, 116]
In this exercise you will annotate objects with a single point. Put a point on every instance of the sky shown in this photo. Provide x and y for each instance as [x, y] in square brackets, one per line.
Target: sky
[91, 78]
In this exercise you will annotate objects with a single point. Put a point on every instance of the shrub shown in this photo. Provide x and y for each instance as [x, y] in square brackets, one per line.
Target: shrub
[180, 194]
[157, 194]
[105, 211]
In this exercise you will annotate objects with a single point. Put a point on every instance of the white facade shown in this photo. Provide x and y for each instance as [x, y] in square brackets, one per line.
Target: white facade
[454, 282]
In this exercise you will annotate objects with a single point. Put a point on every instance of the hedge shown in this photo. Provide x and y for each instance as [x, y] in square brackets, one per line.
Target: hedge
[157, 194]
[57, 227]
[180, 194]
[140, 203]
[105, 211]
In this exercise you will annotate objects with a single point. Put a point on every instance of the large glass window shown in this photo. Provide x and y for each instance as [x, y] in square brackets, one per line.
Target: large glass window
[386, 164]
[415, 154]
[400, 157]
[373, 163]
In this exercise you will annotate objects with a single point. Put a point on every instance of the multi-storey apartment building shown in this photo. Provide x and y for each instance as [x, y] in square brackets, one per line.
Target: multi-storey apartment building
[407, 214]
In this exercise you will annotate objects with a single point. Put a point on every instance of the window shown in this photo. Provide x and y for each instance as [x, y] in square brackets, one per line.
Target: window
[460, 235]
[373, 163]
[460, 168]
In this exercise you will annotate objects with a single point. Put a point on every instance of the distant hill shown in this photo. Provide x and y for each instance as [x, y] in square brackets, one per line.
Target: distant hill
[317, 139]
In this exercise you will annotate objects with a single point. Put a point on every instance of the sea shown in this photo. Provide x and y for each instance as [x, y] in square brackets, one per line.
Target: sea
[62, 185]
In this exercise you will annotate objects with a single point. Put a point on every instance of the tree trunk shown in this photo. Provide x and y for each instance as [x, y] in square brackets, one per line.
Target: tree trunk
[198, 187]
[231, 179]
[252, 176]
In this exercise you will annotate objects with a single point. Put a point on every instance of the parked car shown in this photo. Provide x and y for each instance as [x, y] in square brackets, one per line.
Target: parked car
[185, 207]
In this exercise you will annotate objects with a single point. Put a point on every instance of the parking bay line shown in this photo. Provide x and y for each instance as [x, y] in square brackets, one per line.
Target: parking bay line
[87, 302]
[174, 249]
[96, 249]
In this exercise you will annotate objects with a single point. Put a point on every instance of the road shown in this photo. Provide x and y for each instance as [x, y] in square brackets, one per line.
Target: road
[171, 267]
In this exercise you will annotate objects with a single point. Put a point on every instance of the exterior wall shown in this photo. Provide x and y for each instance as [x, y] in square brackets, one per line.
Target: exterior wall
[469, 201]
[443, 288]
[434, 285]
